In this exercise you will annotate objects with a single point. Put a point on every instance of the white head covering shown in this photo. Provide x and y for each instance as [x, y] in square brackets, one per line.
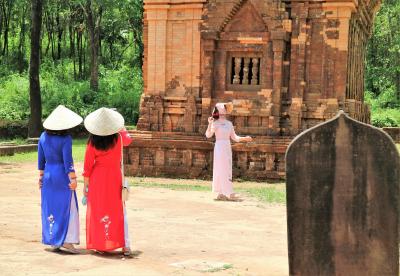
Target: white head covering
[104, 122]
[224, 108]
[62, 118]
[221, 108]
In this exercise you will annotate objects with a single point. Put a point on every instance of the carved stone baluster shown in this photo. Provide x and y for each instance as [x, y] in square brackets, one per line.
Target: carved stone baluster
[254, 71]
[246, 62]
[236, 77]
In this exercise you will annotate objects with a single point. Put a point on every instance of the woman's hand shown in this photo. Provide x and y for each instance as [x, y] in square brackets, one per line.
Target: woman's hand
[247, 139]
[85, 190]
[40, 181]
[85, 186]
[72, 185]
[210, 120]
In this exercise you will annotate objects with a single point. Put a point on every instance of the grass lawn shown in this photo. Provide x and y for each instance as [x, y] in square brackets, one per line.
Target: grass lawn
[265, 192]
[78, 152]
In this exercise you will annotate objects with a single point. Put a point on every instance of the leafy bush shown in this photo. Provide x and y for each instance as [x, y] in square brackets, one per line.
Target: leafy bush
[14, 98]
[384, 120]
[385, 109]
[119, 88]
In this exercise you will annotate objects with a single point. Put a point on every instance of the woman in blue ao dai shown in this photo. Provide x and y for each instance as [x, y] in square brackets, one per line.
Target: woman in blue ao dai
[60, 219]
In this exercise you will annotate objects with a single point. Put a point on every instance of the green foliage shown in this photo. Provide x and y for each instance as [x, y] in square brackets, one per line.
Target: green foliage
[122, 89]
[384, 110]
[65, 59]
[384, 120]
[14, 101]
[119, 88]
[382, 78]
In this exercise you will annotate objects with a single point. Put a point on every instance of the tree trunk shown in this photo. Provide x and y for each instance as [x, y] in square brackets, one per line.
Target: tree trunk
[7, 19]
[1, 22]
[59, 33]
[372, 63]
[49, 35]
[35, 120]
[398, 85]
[72, 46]
[71, 42]
[21, 46]
[79, 49]
[93, 25]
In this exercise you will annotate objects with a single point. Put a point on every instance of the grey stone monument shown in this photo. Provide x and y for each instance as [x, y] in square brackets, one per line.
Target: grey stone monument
[342, 183]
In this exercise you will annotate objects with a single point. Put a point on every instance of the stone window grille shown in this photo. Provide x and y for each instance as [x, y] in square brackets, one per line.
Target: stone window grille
[245, 71]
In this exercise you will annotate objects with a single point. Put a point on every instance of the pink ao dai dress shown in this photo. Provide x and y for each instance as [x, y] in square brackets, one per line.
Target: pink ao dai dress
[222, 168]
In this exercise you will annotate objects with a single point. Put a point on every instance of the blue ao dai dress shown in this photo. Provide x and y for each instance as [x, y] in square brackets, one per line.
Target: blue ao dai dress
[60, 219]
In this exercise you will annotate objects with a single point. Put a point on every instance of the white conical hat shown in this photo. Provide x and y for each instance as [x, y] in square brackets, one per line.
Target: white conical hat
[104, 122]
[62, 118]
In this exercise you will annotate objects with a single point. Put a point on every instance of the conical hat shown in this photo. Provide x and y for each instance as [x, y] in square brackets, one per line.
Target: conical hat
[104, 122]
[62, 118]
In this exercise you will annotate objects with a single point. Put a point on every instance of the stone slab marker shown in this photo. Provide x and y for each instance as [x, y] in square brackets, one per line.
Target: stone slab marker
[343, 181]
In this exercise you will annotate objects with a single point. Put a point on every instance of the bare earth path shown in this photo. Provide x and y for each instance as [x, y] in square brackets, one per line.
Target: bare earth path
[165, 226]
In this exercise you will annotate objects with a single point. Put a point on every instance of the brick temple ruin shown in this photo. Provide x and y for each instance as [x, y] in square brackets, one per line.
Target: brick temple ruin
[286, 65]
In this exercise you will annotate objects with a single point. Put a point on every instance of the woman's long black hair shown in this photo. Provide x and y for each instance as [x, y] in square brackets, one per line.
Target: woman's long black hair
[103, 142]
[58, 132]
[215, 113]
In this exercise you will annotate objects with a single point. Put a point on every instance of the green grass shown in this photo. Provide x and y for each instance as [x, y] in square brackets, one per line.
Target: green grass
[224, 267]
[78, 153]
[19, 158]
[269, 193]
[172, 186]
[78, 149]
[18, 141]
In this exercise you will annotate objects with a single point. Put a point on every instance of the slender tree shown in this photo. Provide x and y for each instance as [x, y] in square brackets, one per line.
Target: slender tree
[93, 21]
[34, 83]
[7, 7]
[21, 45]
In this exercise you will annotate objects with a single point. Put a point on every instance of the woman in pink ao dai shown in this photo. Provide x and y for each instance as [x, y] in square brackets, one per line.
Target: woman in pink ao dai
[222, 168]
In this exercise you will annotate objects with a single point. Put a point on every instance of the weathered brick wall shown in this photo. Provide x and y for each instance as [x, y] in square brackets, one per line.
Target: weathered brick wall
[286, 65]
[327, 61]
[171, 65]
[247, 29]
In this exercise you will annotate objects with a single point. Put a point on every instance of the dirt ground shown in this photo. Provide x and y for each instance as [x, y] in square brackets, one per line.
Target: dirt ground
[165, 226]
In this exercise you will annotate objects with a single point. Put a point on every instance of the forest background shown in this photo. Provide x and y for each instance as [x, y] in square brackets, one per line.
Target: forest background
[73, 31]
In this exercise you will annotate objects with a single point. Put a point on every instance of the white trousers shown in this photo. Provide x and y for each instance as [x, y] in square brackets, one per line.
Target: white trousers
[126, 234]
[73, 225]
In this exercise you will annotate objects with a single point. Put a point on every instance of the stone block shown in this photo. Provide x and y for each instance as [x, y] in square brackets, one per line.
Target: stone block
[343, 200]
